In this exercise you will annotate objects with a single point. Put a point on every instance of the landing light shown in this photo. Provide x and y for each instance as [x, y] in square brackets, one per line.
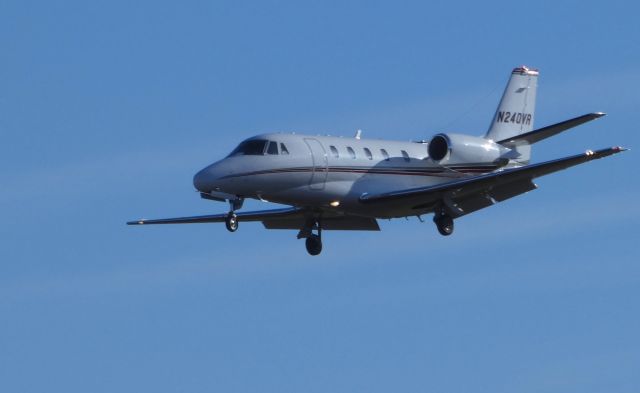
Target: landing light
[334, 204]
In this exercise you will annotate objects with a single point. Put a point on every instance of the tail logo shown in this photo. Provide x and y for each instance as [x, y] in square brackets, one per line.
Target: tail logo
[515, 117]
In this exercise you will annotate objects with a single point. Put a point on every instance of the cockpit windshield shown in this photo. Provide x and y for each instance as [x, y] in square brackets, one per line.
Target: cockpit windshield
[258, 147]
[254, 147]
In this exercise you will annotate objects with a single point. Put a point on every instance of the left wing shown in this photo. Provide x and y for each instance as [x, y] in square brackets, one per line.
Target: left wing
[470, 194]
[289, 218]
[262, 215]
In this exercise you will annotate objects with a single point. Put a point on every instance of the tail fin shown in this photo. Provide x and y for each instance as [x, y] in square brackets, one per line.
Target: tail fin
[516, 111]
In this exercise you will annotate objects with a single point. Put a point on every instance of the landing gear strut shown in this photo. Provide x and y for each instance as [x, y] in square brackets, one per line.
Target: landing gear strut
[444, 223]
[231, 220]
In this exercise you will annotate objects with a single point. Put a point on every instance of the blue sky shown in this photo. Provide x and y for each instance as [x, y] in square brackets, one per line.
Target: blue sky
[108, 108]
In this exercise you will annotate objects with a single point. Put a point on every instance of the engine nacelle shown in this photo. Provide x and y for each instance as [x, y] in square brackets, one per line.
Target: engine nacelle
[465, 149]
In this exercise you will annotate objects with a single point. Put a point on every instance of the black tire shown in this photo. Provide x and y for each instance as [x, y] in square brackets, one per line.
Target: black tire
[231, 221]
[444, 223]
[314, 245]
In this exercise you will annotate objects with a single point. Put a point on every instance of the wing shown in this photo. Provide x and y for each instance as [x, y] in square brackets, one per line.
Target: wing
[262, 215]
[471, 194]
[290, 218]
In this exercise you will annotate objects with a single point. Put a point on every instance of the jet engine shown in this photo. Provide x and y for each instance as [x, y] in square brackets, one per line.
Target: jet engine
[448, 149]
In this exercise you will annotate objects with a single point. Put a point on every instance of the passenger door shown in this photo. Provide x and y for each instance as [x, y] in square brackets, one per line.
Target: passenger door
[320, 164]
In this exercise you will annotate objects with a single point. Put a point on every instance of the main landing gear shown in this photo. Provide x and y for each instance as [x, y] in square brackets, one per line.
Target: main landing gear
[314, 244]
[313, 241]
[444, 223]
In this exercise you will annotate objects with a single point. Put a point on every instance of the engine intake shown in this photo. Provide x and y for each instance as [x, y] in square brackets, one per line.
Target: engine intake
[438, 147]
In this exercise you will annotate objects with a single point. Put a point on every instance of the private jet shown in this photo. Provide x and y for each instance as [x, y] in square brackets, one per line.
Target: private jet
[336, 183]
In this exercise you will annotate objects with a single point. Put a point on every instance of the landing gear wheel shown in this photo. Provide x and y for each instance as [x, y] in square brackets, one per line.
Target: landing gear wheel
[231, 221]
[314, 245]
[444, 223]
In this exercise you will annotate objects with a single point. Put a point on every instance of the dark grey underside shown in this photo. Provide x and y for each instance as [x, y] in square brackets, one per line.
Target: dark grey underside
[344, 223]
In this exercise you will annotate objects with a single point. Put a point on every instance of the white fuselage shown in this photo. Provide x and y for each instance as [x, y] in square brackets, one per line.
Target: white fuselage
[327, 172]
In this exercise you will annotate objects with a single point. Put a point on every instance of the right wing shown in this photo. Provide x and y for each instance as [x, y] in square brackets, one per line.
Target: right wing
[474, 193]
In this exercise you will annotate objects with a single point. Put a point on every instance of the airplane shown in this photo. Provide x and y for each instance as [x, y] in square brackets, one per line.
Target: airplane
[336, 183]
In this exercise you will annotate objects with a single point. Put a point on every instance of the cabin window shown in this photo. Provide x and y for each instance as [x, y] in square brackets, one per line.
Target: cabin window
[334, 151]
[351, 152]
[254, 147]
[384, 154]
[283, 149]
[367, 153]
[272, 148]
[405, 155]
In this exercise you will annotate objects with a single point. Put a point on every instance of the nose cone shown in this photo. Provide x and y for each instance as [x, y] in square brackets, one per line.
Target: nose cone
[213, 177]
[203, 180]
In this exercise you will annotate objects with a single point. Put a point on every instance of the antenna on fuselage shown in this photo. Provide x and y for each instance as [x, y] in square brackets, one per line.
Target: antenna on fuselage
[358, 134]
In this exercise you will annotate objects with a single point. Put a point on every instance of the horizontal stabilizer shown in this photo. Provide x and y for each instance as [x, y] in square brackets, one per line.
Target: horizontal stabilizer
[534, 136]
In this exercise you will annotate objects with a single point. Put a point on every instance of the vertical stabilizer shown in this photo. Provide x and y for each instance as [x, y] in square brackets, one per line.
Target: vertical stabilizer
[516, 111]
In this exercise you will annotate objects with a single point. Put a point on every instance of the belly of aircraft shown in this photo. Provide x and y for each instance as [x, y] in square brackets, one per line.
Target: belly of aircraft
[343, 189]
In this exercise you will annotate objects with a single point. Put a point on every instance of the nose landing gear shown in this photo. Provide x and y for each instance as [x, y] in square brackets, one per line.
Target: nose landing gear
[231, 220]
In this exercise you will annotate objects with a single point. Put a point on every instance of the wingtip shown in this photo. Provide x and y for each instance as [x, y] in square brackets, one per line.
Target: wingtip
[599, 114]
[138, 222]
[594, 154]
